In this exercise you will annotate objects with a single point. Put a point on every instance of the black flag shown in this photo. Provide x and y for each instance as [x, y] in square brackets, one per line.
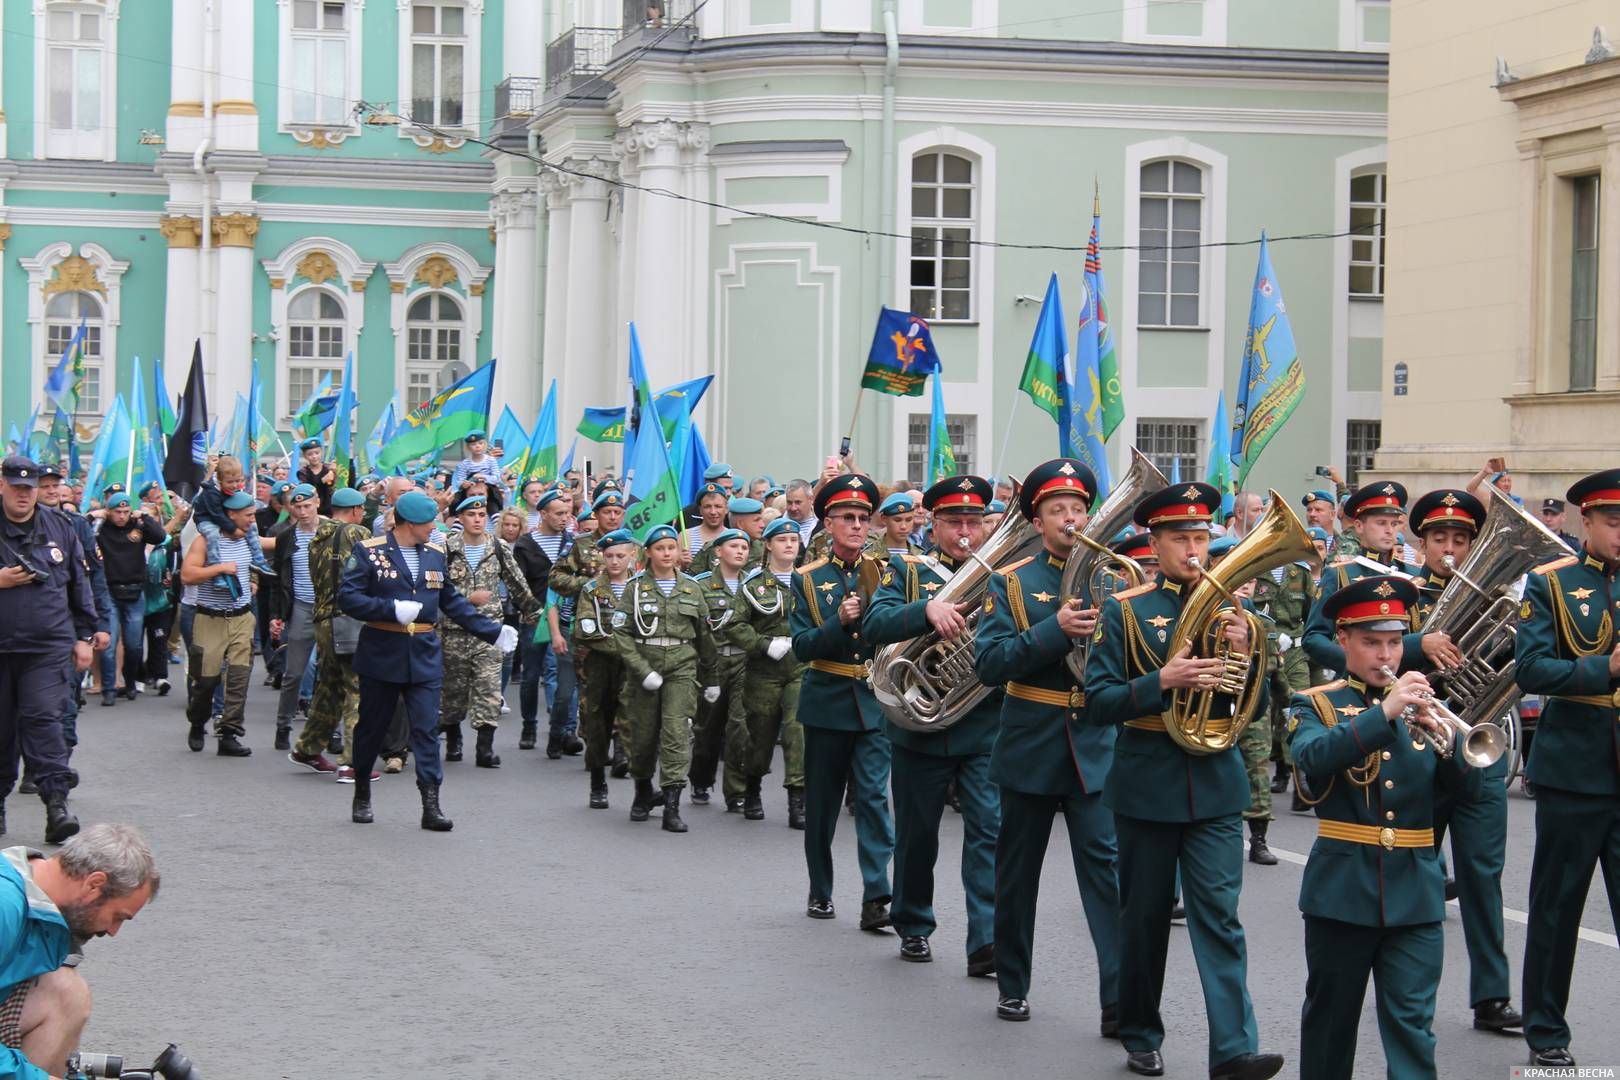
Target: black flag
[187, 461]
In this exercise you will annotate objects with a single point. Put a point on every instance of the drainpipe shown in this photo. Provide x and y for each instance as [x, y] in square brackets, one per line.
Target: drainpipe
[886, 188]
[542, 227]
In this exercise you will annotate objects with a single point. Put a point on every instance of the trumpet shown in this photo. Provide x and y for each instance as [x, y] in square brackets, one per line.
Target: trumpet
[1481, 744]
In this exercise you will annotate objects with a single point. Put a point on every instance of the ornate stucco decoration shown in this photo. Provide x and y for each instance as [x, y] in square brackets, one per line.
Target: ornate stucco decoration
[75, 274]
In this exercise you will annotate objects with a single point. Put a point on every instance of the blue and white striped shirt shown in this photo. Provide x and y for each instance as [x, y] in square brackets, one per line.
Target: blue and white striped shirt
[474, 554]
[216, 594]
[489, 469]
[303, 588]
[665, 585]
[413, 560]
[550, 543]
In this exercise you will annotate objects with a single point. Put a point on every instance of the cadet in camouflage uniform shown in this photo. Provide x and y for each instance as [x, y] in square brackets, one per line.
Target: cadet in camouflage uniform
[1285, 596]
[571, 573]
[477, 562]
[747, 516]
[337, 688]
[661, 633]
[771, 684]
[722, 706]
[597, 667]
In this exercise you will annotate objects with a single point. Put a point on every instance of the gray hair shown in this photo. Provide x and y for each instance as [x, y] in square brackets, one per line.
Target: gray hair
[797, 485]
[119, 851]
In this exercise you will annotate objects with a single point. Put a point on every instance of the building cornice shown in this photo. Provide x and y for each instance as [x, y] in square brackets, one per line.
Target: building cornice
[467, 177]
[120, 177]
[1564, 81]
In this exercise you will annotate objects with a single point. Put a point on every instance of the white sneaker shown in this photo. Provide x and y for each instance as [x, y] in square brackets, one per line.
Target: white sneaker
[505, 708]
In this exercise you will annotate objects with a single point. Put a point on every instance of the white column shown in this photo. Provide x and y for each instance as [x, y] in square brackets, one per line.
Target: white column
[558, 220]
[232, 363]
[236, 126]
[588, 340]
[517, 374]
[185, 78]
[182, 313]
[522, 50]
[1608, 315]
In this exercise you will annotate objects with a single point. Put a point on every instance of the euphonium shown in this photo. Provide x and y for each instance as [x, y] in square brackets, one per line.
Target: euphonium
[1208, 720]
[1481, 745]
[927, 683]
[1091, 562]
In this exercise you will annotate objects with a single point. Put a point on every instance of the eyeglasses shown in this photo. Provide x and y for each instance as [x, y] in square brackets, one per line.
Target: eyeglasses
[851, 519]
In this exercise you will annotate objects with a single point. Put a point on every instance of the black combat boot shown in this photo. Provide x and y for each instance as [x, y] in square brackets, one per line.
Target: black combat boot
[283, 737]
[672, 810]
[753, 809]
[433, 818]
[1258, 851]
[599, 789]
[646, 798]
[531, 732]
[554, 747]
[796, 808]
[619, 767]
[334, 745]
[360, 813]
[2, 817]
[452, 742]
[1279, 781]
[59, 824]
[486, 757]
[199, 706]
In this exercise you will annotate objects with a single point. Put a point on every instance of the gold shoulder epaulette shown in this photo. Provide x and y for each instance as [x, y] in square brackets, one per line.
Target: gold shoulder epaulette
[436, 547]
[375, 541]
[1556, 564]
[1336, 684]
[1140, 590]
[1336, 563]
[910, 558]
[809, 566]
[1010, 567]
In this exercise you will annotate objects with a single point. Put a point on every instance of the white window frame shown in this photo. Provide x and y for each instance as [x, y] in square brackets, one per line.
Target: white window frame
[303, 130]
[1171, 197]
[1135, 23]
[103, 145]
[970, 223]
[913, 15]
[1352, 21]
[1379, 239]
[739, 18]
[468, 288]
[41, 269]
[50, 355]
[332, 365]
[968, 459]
[348, 280]
[471, 73]
[1354, 316]
[437, 326]
[1200, 451]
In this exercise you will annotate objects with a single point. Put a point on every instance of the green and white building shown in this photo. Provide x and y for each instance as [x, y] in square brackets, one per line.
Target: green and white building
[671, 124]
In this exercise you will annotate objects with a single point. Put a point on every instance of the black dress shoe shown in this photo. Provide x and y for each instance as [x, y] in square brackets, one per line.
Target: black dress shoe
[818, 908]
[230, 746]
[874, 914]
[1178, 913]
[1248, 1067]
[28, 787]
[700, 795]
[915, 950]
[1497, 1015]
[554, 747]
[194, 738]
[1110, 1022]
[982, 962]
[1009, 1008]
[283, 738]
[1554, 1057]
[1451, 889]
[572, 745]
[1145, 1062]
[107, 698]
[360, 811]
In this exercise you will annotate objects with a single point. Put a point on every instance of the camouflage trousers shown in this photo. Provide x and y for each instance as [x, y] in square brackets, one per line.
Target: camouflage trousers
[336, 699]
[472, 681]
[600, 676]
[1289, 676]
[771, 702]
[657, 724]
[717, 725]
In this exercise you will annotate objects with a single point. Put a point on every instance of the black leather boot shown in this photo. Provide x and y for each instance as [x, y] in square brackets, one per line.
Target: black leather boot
[599, 789]
[59, 824]
[646, 798]
[486, 757]
[672, 810]
[433, 818]
[360, 812]
[796, 808]
[554, 747]
[531, 732]
[1279, 780]
[452, 742]
[199, 706]
[283, 737]
[1258, 851]
[753, 808]
[2, 817]
[619, 767]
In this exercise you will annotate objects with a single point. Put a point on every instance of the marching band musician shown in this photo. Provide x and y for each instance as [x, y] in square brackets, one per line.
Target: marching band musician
[1373, 891]
[1446, 522]
[926, 763]
[1046, 759]
[1172, 808]
[1568, 651]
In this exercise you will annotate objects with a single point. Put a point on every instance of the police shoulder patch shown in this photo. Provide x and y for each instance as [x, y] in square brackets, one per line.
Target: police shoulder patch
[1010, 567]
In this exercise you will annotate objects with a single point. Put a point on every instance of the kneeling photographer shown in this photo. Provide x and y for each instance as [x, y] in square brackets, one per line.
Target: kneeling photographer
[99, 880]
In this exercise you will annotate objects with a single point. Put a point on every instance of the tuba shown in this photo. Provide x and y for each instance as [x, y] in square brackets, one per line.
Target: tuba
[1210, 720]
[928, 683]
[1479, 609]
[1091, 561]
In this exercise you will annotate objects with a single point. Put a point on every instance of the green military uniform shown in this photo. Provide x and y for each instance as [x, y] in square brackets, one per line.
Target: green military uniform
[705, 562]
[575, 569]
[1320, 646]
[1047, 761]
[924, 765]
[336, 699]
[472, 668]
[1287, 603]
[1565, 638]
[599, 671]
[716, 719]
[770, 687]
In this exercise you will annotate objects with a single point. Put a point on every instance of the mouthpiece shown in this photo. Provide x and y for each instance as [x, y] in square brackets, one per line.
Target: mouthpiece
[1070, 530]
[1194, 562]
[1449, 562]
[963, 543]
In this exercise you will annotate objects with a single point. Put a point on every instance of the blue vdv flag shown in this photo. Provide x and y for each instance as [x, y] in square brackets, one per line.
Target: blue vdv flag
[902, 355]
[1081, 396]
[1220, 457]
[1272, 380]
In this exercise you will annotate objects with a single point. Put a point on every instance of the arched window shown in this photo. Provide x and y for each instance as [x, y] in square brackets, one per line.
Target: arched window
[434, 325]
[1172, 228]
[63, 314]
[317, 334]
[944, 205]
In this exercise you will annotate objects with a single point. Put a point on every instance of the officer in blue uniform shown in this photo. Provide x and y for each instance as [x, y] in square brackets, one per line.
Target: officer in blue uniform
[1173, 809]
[47, 622]
[843, 733]
[51, 493]
[397, 585]
[925, 764]
[1047, 759]
[1568, 651]
[1373, 891]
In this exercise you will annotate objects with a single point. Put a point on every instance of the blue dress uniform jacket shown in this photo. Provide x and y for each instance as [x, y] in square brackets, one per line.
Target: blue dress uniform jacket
[1152, 778]
[1320, 645]
[899, 613]
[50, 616]
[1042, 749]
[374, 577]
[98, 574]
[834, 693]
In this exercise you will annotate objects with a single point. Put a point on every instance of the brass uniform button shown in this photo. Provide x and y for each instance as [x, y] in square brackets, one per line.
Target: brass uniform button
[1387, 755]
[1389, 815]
[1389, 783]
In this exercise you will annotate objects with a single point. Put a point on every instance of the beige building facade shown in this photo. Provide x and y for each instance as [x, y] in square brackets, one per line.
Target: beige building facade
[1502, 308]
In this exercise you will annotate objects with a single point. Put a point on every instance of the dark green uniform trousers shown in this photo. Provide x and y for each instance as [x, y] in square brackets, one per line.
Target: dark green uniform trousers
[713, 722]
[1574, 834]
[1026, 826]
[920, 782]
[1211, 853]
[1479, 848]
[863, 757]
[1404, 962]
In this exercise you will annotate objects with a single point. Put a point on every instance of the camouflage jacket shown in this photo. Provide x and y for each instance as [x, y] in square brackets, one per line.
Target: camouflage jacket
[328, 551]
[496, 566]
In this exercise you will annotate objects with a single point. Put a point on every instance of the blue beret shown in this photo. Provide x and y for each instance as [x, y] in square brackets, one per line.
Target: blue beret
[775, 491]
[1317, 496]
[615, 538]
[474, 436]
[584, 515]
[727, 535]
[744, 505]
[240, 501]
[718, 471]
[611, 497]
[370, 478]
[780, 526]
[661, 532]
[1221, 545]
[1316, 532]
[471, 502]
[265, 478]
[149, 486]
[121, 500]
[898, 503]
[106, 492]
[344, 498]
[415, 508]
[310, 443]
[303, 492]
[548, 498]
[281, 487]
[996, 507]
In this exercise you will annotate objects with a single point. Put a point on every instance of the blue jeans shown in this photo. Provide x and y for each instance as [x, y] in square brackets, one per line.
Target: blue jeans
[563, 719]
[534, 665]
[129, 626]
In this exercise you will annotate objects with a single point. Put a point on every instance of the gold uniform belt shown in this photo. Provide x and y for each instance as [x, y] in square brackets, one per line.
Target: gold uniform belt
[1602, 701]
[1216, 726]
[1063, 699]
[844, 671]
[394, 627]
[1388, 839]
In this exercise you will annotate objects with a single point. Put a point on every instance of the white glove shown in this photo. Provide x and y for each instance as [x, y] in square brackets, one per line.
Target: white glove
[711, 694]
[1284, 643]
[508, 640]
[779, 647]
[406, 611]
[652, 682]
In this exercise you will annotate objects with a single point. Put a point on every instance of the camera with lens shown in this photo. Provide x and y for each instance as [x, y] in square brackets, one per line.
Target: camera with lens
[172, 1064]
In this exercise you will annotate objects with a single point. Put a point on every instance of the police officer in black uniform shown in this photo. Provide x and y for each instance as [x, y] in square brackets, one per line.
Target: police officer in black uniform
[47, 616]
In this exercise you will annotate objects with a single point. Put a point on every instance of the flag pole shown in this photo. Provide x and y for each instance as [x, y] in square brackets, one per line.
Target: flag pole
[1006, 438]
[129, 465]
[860, 393]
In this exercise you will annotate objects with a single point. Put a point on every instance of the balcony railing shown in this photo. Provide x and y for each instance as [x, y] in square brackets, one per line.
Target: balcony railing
[516, 99]
[582, 51]
[654, 15]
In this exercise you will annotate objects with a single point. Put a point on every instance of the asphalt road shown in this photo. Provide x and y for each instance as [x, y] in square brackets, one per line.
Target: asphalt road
[541, 938]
